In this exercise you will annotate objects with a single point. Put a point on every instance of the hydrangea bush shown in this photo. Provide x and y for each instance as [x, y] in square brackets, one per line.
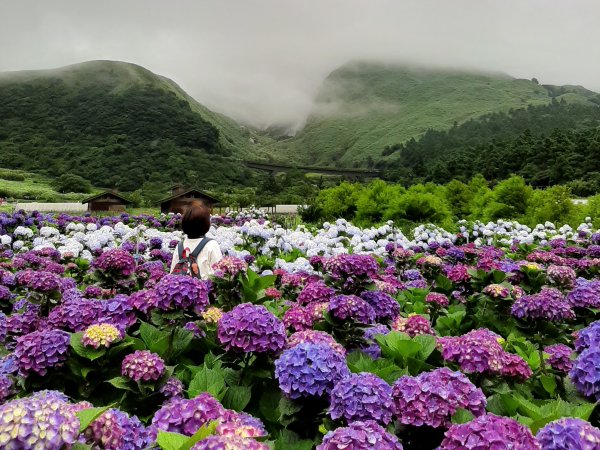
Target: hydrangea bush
[335, 337]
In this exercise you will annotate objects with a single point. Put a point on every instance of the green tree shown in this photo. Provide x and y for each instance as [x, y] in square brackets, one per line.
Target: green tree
[70, 182]
[509, 199]
[339, 201]
[553, 204]
[459, 196]
[374, 200]
[417, 205]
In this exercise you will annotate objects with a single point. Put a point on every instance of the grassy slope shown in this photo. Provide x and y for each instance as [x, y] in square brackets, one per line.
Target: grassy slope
[363, 107]
[34, 187]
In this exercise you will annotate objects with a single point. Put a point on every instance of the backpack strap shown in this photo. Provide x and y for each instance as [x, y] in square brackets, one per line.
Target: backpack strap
[180, 250]
[199, 247]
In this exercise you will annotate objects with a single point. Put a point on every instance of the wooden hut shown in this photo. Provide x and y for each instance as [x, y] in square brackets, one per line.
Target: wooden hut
[181, 197]
[106, 201]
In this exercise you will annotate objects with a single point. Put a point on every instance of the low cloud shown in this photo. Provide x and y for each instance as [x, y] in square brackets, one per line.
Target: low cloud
[263, 61]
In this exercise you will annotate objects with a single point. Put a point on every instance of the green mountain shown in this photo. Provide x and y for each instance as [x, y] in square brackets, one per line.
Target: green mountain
[363, 108]
[119, 125]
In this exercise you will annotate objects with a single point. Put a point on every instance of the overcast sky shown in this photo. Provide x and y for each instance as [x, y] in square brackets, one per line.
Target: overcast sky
[263, 60]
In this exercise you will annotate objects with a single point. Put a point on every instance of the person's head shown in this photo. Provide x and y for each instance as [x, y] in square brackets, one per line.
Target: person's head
[195, 222]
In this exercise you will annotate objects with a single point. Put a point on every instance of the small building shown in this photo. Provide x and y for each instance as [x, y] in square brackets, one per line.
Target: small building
[106, 201]
[181, 197]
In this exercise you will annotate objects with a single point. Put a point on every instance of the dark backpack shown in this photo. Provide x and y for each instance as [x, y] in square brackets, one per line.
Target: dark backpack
[187, 264]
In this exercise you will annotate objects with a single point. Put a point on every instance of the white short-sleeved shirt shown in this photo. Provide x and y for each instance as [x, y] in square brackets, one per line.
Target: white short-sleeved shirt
[210, 254]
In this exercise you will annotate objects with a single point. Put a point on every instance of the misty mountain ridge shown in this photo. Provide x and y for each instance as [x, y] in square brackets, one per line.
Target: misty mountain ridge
[361, 109]
[119, 125]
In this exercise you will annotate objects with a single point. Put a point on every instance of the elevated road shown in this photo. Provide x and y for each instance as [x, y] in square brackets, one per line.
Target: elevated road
[342, 172]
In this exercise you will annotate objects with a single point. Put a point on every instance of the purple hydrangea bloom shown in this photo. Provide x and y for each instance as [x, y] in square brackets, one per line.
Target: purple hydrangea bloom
[458, 273]
[585, 373]
[417, 284]
[585, 294]
[115, 261]
[143, 365]
[42, 421]
[413, 325]
[24, 277]
[569, 434]
[9, 365]
[172, 388]
[181, 292]
[251, 328]
[513, 366]
[76, 315]
[229, 443]
[561, 276]
[6, 387]
[41, 350]
[344, 266]
[92, 292]
[316, 291]
[24, 322]
[229, 266]
[489, 432]
[361, 397]
[128, 247]
[431, 398]
[479, 351]
[309, 370]
[360, 436]
[385, 306]
[115, 430]
[351, 307]
[3, 327]
[71, 295]
[438, 299]
[560, 357]
[45, 282]
[143, 301]
[5, 293]
[588, 337]
[549, 304]
[315, 337]
[186, 416]
[412, 275]
[455, 253]
[118, 312]
[593, 251]
[297, 318]
[155, 242]
[67, 284]
[7, 278]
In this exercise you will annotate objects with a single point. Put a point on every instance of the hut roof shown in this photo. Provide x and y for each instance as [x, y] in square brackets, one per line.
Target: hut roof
[102, 194]
[189, 191]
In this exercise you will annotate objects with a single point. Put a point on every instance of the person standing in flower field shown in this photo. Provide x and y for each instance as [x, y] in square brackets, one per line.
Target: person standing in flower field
[196, 254]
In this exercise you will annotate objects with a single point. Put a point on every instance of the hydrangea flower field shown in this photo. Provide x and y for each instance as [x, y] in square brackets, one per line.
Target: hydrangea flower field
[329, 338]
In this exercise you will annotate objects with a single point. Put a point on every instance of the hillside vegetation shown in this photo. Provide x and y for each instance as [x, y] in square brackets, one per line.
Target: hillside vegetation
[547, 145]
[19, 185]
[117, 124]
[364, 107]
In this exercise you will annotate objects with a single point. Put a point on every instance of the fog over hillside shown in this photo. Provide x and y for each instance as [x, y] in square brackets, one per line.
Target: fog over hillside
[262, 62]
